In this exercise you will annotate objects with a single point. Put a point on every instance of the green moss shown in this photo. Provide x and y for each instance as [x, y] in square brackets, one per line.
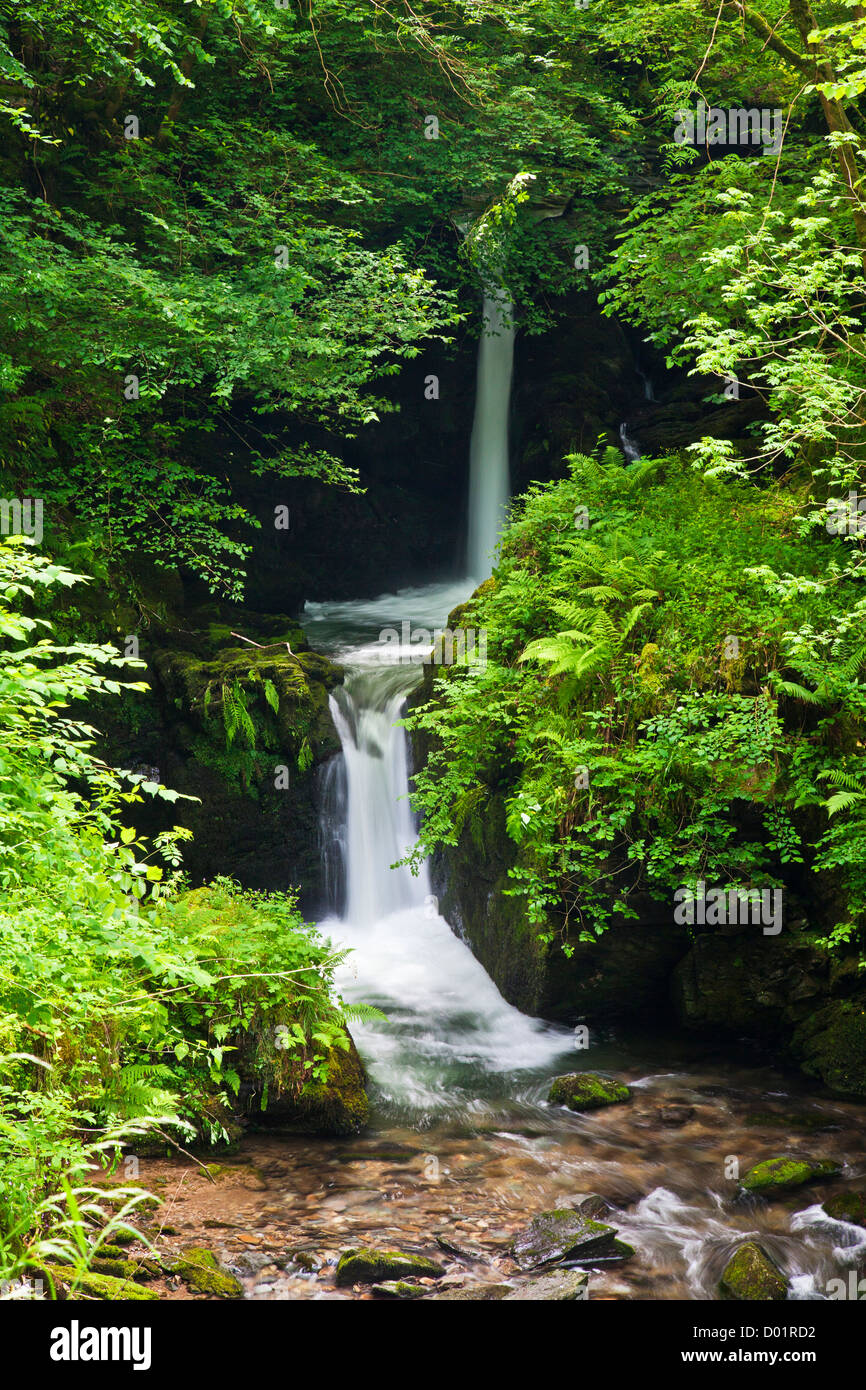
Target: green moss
[783, 1174]
[368, 1266]
[101, 1286]
[750, 1275]
[125, 1268]
[587, 1091]
[201, 1270]
[848, 1206]
[398, 1289]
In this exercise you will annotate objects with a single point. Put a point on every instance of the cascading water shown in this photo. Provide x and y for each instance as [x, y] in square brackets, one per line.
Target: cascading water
[458, 1062]
[489, 480]
[451, 1041]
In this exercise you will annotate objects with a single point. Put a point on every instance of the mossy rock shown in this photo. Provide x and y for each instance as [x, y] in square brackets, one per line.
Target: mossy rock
[831, 1045]
[751, 1276]
[124, 1268]
[398, 1289]
[100, 1286]
[587, 1091]
[337, 1107]
[367, 1266]
[474, 1293]
[786, 1173]
[201, 1270]
[848, 1206]
[563, 1234]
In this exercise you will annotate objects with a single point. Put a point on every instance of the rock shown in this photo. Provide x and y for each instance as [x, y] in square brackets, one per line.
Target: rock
[673, 1116]
[100, 1286]
[397, 1289]
[848, 1206]
[750, 1275]
[368, 1266]
[563, 1234]
[592, 1205]
[143, 1268]
[335, 1107]
[450, 1247]
[587, 1091]
[201, 1270]
[559, 1287]
[785, 1173]
[474, 1293]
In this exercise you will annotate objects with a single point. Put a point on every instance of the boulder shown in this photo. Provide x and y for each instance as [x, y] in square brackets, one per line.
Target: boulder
[751, 1276]
[396, 1288]
[201, 1270]
[474, 1293]
[560, 1235]
[587, 1091]
[367, 1266]
[785, 1173]
[848, 1206]
[561, 1286]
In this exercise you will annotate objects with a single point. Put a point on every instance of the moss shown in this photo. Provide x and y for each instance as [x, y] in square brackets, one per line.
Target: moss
[125, 1268]
[398, 1289]
[337, 1106]
[750, 1275]
[201, 1270]
[368, 1266]
[101, 1286]
[783, 1174]
[587, 1091]
[848, 1206]
[831, 1045]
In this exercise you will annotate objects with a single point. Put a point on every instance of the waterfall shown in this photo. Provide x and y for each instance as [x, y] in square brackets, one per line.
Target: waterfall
[451, 1041]
[378, 820]
[489, 474]
[629, 446]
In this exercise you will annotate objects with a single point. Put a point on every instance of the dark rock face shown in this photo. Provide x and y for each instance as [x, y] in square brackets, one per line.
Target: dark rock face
[253, 772]
[625, 973]
[784, 990]
[750, 1275]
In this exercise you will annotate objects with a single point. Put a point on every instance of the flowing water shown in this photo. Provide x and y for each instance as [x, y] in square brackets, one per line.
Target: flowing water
[462, 1140]
[489, 481]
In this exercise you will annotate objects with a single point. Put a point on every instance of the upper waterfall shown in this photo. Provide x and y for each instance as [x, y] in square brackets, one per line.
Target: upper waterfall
[489, 473]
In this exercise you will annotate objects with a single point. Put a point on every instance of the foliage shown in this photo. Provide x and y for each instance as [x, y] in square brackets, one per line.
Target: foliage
[663, 730]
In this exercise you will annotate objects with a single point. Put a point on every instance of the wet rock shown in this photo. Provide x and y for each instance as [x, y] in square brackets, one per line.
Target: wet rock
[674, 1116]
[750, 1275]
[848, 1206]
[560, 1235]
[397, 1289]
[587, 1091]
[785, 1173]
[563, 1286]
[201, 1270]
[474, 1293]
[592, 1205]
[367, 1266]
[450, 1247]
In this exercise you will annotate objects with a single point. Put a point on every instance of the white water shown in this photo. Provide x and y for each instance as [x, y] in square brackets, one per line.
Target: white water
[489, 481]
[451, 1041]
